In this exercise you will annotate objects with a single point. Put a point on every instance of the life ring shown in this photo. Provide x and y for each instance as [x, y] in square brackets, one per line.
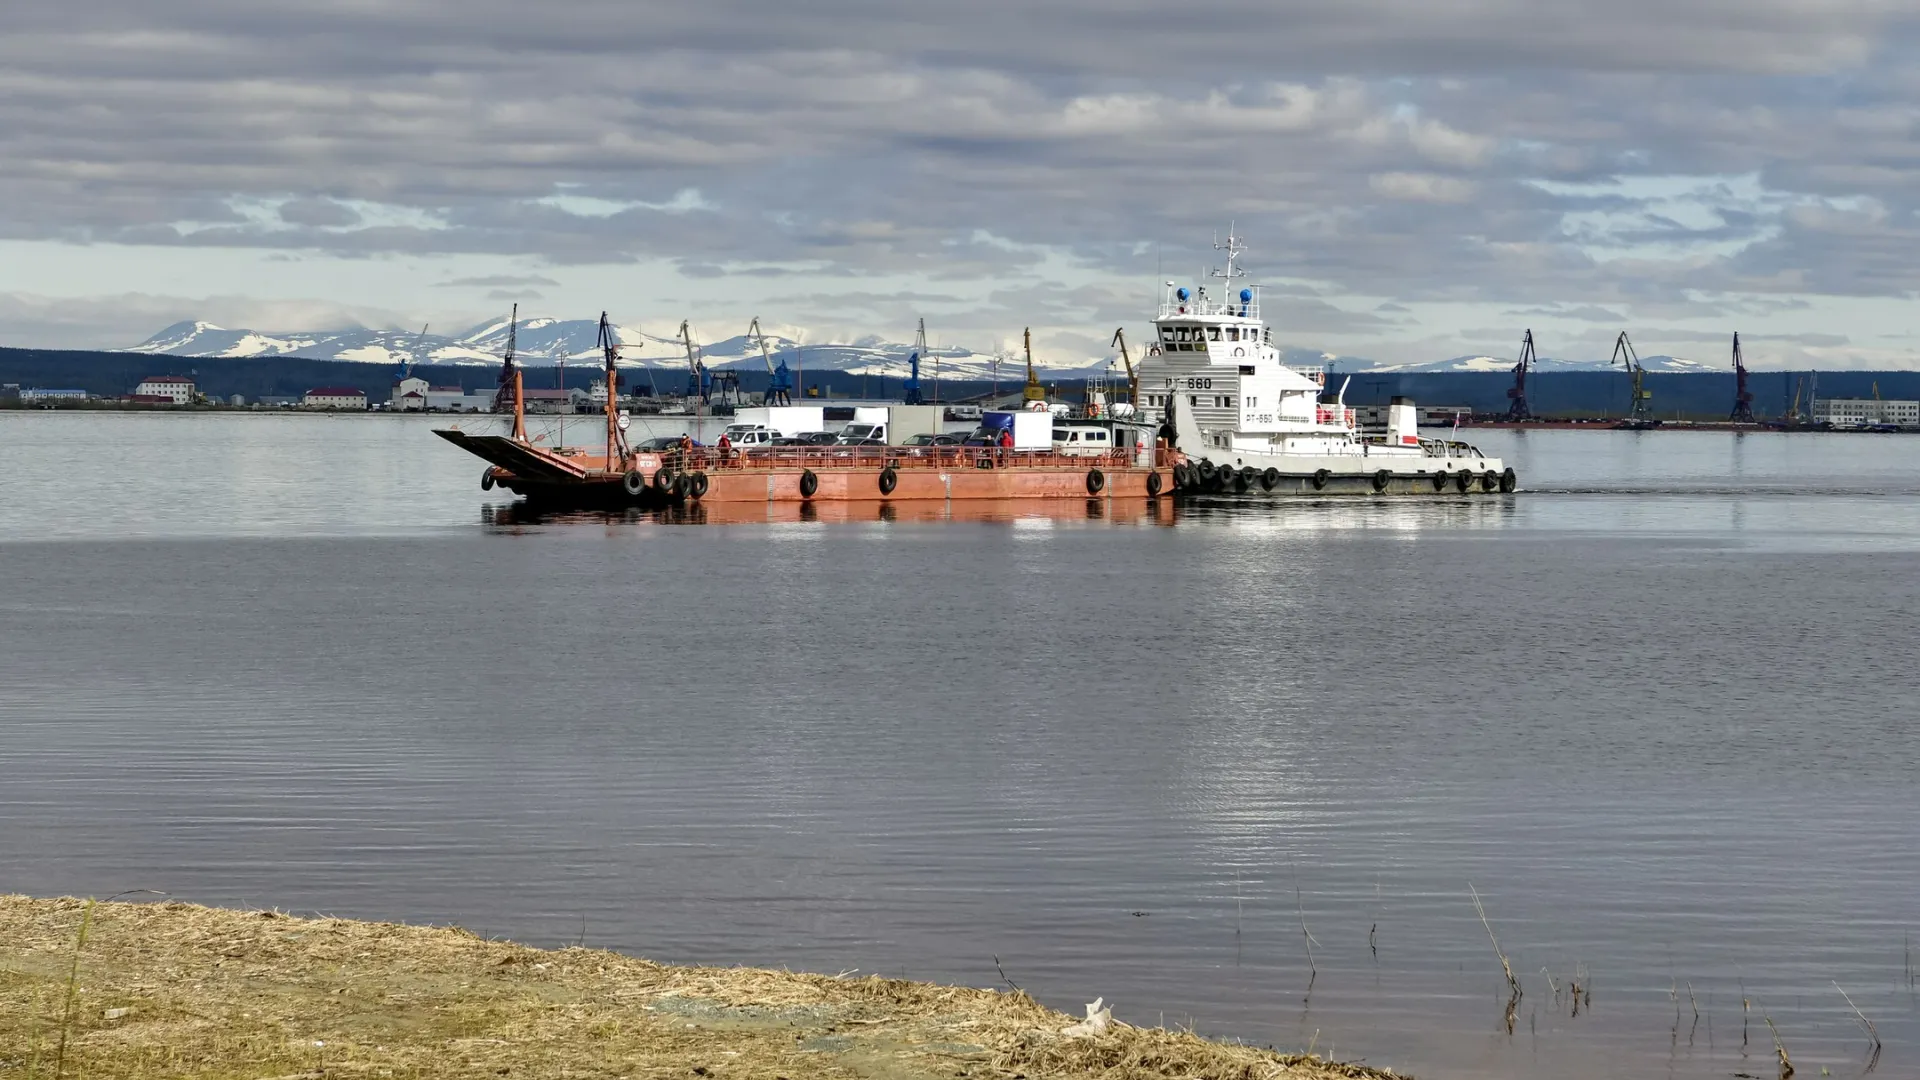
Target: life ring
[888, 480]
[1381, 479]
[1153, 484]
[1270, 479]
[1490, 481]
[809, 483]
[1440, 480]
[663, 480]
[1509, 480]
[1464, 481]
[1096, 481]
[1320, 479]
[697, 485]
[486, 480]
[633, 482]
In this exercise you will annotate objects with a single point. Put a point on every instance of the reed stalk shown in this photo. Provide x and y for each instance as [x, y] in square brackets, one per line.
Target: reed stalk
[73, 991]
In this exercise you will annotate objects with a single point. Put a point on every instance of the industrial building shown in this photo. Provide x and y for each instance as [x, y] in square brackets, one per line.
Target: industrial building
[1866, 412]
[34, 395]
[417, 395]
[164, 390]
[335, 397]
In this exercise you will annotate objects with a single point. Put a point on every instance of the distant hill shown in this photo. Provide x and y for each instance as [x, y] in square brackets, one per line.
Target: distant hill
[542, 342]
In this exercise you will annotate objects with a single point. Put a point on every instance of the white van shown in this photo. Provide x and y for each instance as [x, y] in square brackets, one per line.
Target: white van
[1082, 440]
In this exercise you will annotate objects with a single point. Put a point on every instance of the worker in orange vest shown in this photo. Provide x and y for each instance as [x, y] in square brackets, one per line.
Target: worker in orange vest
[726, 446]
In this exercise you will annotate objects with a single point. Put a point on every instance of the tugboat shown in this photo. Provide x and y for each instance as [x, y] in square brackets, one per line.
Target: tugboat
[1245, 422]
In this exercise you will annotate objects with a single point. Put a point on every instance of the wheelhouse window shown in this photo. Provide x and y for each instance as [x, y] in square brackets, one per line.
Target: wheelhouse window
[1183, 333]
[1213, 333]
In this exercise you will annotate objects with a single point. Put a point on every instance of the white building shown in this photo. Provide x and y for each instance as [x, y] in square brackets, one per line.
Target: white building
[1866, 412]
[33, 395]
[335, 397]
[177, 389]
[409, 395]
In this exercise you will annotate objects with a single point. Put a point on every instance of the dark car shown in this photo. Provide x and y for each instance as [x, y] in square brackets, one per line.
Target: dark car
[933, 440]
[659, 444]
[985, 436]
[817, 438]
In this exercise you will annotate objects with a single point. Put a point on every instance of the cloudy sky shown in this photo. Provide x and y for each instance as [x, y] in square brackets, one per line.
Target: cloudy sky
[1416, 179]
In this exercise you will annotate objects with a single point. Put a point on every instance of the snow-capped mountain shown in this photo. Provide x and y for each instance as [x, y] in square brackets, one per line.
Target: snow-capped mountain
[541, 342]
[1665, 364]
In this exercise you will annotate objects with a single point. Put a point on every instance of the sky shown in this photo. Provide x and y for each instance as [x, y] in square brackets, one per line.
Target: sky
[1414, 179]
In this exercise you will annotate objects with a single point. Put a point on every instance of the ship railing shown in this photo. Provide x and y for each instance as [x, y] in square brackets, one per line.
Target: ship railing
[711, 459]
[1174, 309]
[1333, 414]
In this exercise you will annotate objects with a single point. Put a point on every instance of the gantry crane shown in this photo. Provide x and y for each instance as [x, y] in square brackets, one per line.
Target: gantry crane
[1133, 380]
[1034, 391]
[1742, 397]
[1638, 414]
[1517, 409]
[779, 380]
[910, 390]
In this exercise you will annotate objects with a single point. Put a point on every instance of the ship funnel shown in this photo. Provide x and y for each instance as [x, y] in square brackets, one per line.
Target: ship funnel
[1403, 423]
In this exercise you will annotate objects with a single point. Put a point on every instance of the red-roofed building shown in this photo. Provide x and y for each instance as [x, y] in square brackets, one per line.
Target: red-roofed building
[164, 390]
[335, 397]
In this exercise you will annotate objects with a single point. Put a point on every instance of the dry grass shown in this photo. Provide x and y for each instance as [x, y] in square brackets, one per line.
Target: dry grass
[178, 990]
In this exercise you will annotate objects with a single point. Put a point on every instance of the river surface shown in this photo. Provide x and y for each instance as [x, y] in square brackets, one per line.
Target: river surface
[1658, 711]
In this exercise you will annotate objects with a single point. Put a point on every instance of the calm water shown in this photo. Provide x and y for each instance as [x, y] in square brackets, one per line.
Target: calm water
[1659, 711]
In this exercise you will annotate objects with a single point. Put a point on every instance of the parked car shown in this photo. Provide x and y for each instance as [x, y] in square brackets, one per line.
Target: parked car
[659, 444]
[818, 438]
[933, 440]
[985, 436]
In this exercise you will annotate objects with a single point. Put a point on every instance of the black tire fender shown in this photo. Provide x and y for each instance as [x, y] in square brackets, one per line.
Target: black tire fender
[1320, 478]
[1096, 481]
[1509, 480]
[663, 480]
[1464, 481]
[1270, 479]
[633, 482]
[697, 485]
[1440, 480]
[889, 479]
[1490, 481]
[809, 483]
[486, 480]
[1381, 479]
[1153, 484]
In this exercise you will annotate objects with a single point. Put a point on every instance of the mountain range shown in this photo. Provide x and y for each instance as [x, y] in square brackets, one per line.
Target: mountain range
[540, 342]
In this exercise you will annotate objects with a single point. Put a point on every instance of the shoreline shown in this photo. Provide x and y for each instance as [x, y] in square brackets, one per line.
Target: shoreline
[121, 989]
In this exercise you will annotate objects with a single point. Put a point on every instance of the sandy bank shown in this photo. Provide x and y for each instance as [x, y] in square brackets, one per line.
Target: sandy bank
[178, 990]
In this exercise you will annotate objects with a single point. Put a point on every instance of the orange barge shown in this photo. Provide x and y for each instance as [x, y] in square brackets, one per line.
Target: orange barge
[619, 476]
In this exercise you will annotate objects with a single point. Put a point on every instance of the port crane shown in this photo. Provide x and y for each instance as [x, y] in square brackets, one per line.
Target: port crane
[910, 390]
[1638, 414]
[1517, 409]
[779, 381]
[1742, 397]
[413, 351]
[1034, 391]
[1133, 380]
[699, 383]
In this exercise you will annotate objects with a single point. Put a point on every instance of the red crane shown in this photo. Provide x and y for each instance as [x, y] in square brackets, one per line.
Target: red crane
[1517, 409]
[1742, 397]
